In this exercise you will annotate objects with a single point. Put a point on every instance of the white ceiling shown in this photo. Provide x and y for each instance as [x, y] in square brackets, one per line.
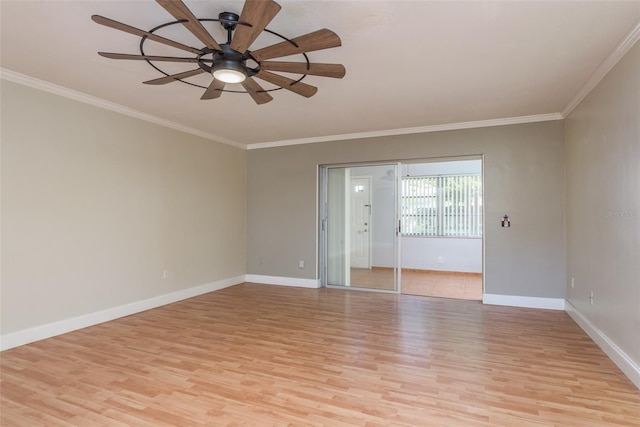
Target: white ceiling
[410, 64]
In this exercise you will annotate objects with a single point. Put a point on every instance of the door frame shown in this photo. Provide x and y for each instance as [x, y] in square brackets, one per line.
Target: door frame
[321, 208]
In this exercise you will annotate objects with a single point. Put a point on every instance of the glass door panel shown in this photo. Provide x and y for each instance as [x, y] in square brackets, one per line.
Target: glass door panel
[360, 226]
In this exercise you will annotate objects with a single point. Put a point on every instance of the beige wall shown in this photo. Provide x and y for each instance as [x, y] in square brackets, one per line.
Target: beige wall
[524, 178]
[95, 205]
[603, 205]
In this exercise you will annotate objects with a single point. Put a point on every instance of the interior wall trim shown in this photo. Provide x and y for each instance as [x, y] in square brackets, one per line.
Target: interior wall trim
[49, 330]
[29, 81]
[283, 281]
[605, 66]
[521, 301]
[32, 82]
[615, 353]
[406, 131]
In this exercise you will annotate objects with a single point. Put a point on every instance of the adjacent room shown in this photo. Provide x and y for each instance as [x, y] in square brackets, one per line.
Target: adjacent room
[319, 213]
[385, 231]
[441, 229]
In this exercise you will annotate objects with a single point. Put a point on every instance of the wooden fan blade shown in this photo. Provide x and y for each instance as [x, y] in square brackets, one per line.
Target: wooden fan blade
[181, 12]
[321, 39]
[256, 91]
[214, 90]
[174, 77]
[325, 70]
[286, 83]
[146, 57]
[138, 32]
[258, 13]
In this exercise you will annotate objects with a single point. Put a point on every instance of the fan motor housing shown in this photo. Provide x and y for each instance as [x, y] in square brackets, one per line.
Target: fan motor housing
[226, 55]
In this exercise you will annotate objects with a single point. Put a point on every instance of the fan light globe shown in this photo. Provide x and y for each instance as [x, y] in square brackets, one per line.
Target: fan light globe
[229, 76]
[229, 71]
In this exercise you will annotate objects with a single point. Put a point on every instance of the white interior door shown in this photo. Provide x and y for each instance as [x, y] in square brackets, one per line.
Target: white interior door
[361, 222]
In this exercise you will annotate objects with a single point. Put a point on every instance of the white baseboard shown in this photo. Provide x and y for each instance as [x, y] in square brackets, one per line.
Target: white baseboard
[619, 357]
[49, 330]
[283, 281]
[520, 301]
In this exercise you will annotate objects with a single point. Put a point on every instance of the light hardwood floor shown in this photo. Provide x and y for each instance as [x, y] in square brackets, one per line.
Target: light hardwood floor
[442, 284]
[430, 283]
[257, 355]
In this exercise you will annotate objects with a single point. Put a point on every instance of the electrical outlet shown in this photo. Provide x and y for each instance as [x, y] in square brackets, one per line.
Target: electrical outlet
[572, 283]
[165, 274]
[301, 264]
[591, 298]
[440, 260]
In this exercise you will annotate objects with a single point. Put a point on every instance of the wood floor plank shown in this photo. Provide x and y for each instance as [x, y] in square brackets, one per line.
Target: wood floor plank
[278, 356]
[430, 283]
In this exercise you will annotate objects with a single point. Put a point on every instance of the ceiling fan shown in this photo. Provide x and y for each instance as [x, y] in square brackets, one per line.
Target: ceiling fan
[233, 62]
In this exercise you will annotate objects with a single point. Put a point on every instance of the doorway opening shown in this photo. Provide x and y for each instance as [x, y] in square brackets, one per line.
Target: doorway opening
[441, 217]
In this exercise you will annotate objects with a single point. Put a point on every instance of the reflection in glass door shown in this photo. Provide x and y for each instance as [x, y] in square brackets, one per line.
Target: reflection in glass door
[359, 227]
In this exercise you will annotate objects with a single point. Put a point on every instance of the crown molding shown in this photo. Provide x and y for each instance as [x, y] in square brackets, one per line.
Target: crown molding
[25, 80]
[412, 130]
[605, 66]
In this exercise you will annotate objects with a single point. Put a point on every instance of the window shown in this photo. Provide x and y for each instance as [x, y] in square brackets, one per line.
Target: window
[442, 206]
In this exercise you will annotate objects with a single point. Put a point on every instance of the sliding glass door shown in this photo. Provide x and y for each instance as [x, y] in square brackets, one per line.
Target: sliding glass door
[359, 226]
